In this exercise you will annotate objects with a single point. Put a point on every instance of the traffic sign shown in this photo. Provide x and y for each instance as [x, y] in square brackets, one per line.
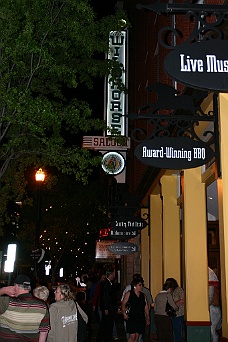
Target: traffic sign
[37, 255]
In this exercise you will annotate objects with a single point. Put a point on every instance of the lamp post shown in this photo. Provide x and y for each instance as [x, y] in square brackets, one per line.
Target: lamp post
[40, 177]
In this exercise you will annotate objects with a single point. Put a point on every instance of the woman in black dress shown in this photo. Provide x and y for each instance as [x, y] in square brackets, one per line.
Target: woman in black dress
[137, 315]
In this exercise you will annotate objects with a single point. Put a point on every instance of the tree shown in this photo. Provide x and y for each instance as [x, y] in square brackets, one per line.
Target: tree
[48, 49]
[72, 214]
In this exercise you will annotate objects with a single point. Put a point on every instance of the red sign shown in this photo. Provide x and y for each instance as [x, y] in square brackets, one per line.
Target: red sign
[104, 232]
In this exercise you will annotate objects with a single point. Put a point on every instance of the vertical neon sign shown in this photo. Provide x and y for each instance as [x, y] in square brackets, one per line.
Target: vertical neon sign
[116, 99]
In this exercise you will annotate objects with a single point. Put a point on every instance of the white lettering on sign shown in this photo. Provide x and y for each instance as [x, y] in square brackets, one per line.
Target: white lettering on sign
[129, 224]
[116, 106]
[124, 233]
[105, 143]
[216, 65]
[188, 64]
[171, 153]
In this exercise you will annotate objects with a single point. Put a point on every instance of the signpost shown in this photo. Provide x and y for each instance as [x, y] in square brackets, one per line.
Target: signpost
[125, 228]
[123, 248]
[116, 99]
[102, 143]
[122, 234]
[103, 252]
[129, 223]
[201, 65]
[174, 153]
[37, 255]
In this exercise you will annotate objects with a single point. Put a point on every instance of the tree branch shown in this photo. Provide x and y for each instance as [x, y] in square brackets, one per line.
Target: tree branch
[41, 45]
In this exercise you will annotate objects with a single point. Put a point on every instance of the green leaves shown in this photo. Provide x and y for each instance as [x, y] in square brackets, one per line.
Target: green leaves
[48, 50]
[47, 47]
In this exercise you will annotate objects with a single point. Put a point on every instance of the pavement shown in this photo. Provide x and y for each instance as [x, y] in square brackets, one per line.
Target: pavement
[119, 327]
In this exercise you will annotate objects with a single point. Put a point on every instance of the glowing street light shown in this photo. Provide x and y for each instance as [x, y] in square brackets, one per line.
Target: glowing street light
[40, 177]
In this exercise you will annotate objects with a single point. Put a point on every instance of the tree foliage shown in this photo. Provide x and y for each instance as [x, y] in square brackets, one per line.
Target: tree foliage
[48, 49]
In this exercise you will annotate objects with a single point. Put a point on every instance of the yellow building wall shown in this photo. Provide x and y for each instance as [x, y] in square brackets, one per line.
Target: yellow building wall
[223, 208]
[155, 238]
[171, 228]
[195, 247]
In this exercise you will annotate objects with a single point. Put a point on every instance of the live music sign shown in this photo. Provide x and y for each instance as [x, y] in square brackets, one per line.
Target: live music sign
[201, 65]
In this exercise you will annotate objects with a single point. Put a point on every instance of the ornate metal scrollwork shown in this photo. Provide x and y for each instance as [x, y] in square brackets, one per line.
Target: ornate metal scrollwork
[183, 114]
[206, 19]
[178, 115]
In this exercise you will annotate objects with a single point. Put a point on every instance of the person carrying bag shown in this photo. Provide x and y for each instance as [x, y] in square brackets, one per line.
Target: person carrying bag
[67, 319]
[164, 310]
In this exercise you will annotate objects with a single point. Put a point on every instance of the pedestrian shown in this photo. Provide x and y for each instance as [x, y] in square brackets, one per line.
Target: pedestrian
[178, 296]
[162, 320]
[41, 292]
[108, 305]
[148, 295]
[135, 310]
[23, 317]
[96, 297]
[64, 316]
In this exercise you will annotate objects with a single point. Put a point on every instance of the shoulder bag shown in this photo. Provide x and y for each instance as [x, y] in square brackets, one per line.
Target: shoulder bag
[170, 311]
[82, 333]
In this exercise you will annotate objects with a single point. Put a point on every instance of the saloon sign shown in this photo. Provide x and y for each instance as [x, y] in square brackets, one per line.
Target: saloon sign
[173, 153]
[201, 65]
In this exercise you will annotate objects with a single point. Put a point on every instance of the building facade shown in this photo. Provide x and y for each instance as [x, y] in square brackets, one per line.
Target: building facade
[182, 238]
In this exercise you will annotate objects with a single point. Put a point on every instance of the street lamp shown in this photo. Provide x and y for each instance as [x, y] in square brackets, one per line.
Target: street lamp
[40, 177]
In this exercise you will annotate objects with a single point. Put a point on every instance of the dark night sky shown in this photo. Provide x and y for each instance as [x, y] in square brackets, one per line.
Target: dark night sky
[103, 7]
[95, 96]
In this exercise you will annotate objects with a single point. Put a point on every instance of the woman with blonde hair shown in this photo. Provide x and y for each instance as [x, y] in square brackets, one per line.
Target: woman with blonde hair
[64, 316]
[41, 292]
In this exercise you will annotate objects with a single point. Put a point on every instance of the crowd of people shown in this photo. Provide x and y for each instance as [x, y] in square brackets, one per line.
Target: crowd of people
[28, 314]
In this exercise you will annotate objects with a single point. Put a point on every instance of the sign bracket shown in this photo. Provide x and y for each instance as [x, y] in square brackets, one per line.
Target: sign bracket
[177, 116]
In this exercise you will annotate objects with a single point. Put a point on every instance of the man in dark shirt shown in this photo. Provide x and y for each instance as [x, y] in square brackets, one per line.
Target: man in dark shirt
[108, 305]
[22, 316]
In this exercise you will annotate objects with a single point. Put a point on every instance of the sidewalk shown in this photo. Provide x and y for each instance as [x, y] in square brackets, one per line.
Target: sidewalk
[119, 328]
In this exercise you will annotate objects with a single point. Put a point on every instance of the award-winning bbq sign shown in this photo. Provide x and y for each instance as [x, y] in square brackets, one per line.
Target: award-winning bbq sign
[173, 153]
[201, 65]
[200, 61]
